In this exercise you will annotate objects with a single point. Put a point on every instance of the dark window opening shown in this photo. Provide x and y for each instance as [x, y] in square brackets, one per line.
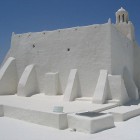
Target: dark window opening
[123, 17]
[33, 45]
[119, 18]
[68, 49]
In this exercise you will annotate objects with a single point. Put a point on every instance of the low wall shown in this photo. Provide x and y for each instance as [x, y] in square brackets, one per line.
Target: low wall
[51, 119]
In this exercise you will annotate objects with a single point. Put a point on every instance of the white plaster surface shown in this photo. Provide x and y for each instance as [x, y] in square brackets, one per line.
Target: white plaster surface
[8, 77]
[52, 84]
[131, 88]
[73, 89]
[90, 124]
[117, 88]
[124, 113]
[102, 88]
[90, 51]
[12, 129]
[51, 119]
[121, 53]
[28, 84]
[39, 109]
[137, 66]
[44, 103]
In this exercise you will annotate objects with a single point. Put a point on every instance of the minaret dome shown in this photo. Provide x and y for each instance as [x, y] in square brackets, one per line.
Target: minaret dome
[122, 16]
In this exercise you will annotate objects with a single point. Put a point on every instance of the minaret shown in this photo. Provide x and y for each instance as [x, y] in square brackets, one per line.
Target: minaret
[122, 16]
[124, 25]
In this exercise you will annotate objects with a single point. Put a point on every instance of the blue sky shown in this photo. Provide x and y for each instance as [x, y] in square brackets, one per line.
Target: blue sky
[22, 16]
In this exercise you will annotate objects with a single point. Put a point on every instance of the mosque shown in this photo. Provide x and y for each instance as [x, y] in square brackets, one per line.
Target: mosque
[66, 77]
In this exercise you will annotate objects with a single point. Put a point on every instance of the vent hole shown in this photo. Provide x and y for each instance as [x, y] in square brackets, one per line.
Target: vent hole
[68, 49]
[33, 45]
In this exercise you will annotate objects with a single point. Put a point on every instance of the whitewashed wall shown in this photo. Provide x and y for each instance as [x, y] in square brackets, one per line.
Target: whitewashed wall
[89, 52]
[137, 66]
[121, 53]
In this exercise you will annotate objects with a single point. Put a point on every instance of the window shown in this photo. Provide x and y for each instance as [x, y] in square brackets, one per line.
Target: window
[119, 18]
[33, 46]
[123, 17]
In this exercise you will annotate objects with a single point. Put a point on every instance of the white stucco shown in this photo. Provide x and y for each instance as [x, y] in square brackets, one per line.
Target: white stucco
[121, 53]
[8, 77]
[52, 119]
[73, 88]
[28, 85]
[89, 51]
[137, 66]
[131, 88]
[124, 113]
[102, 90]
[52, 84]
[117, 88]
[90, 124]
[1, 111]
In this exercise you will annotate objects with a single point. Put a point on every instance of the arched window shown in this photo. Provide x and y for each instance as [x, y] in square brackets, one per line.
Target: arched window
[119, 18]
[123, 17]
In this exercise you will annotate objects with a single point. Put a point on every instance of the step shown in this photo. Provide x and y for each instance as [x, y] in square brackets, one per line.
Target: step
[84, 99]
[124, 113]
[51, 119]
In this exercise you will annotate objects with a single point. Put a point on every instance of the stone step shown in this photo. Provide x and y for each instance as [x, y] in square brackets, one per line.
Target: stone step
[51, 119]
[124, 113]
[84, 99]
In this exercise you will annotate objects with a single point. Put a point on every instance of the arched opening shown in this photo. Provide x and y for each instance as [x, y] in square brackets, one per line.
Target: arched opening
[119, 18]
[123, 17]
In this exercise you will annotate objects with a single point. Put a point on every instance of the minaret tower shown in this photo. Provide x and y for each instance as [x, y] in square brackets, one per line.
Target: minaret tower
[122, 16]
[124, 25]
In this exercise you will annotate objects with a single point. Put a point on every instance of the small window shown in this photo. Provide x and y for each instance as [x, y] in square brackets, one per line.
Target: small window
[33, 45]
[68, 49]
[123, 17]
[119, 18]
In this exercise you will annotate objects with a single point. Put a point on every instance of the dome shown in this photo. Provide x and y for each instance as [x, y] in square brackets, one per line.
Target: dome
[121, 10]
[122, 16]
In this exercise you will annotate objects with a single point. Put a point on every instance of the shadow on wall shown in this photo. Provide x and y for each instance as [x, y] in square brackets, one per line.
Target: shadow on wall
[73, 88]
[131, 88]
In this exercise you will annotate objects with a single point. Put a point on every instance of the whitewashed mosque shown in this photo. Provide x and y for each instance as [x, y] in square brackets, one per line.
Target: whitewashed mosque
[80, 78]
